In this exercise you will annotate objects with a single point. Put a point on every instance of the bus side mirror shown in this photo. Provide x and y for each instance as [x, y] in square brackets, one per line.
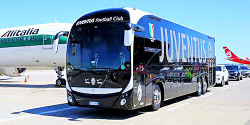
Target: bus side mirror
[128, 37]
[129, 33]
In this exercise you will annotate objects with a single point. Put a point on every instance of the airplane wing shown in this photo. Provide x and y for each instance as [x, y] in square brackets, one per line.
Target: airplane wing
[232, 57]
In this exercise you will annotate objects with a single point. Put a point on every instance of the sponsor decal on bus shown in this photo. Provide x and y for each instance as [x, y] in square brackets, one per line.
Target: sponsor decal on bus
[100, 20]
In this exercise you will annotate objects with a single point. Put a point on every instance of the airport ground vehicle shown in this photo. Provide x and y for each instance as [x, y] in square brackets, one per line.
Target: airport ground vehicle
[235, 72]
[245, 71]
[42, 45]
[125, 58]
[222, 75]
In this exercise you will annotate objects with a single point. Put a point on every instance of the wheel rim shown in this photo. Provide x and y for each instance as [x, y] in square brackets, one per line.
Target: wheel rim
[157, 97]
[58, 82]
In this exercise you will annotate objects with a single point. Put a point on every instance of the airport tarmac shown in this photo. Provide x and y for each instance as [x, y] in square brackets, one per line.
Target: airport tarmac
[38, 102]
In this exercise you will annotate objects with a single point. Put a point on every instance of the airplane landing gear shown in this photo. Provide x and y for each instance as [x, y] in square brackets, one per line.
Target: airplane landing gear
[60, 81]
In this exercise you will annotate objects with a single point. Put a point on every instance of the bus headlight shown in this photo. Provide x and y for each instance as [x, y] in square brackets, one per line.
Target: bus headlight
[123, 101]
[70, 99]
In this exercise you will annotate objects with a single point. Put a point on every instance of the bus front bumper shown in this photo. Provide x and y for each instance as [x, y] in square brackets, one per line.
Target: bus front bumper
[114, 100]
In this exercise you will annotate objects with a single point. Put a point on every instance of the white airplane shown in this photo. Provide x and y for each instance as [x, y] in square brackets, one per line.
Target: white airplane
[42, 45]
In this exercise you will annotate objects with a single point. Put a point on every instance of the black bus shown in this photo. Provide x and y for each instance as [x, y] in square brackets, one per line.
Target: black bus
[125, 58]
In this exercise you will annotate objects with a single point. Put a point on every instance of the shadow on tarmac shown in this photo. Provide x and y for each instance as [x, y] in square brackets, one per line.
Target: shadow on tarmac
[79, 113]
[75, 114]
[182, 98]
[6, 79]
[28, 85]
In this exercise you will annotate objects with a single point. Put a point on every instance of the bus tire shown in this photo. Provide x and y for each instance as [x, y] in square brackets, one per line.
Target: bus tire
[199, 87]
[157, 98]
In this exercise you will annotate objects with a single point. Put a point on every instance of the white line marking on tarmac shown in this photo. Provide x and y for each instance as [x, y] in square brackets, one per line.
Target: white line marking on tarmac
[225, 88]
[32, 115]
[177, 107]
[207, 95]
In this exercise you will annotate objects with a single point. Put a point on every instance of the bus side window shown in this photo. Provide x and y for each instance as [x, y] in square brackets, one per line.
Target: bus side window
[152, 58]
[138, 51]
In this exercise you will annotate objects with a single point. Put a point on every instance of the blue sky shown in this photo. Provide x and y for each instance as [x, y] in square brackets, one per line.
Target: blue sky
[226, 20]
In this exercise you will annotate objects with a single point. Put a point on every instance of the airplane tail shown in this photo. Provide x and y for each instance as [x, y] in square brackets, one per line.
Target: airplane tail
[229, 53]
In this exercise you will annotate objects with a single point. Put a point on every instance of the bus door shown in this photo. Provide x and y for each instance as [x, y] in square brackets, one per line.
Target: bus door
[139, 73]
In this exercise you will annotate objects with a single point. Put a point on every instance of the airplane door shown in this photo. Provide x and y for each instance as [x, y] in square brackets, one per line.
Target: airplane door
[47, 42]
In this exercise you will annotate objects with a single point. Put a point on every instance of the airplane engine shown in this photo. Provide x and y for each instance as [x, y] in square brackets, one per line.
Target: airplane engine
[12, 72]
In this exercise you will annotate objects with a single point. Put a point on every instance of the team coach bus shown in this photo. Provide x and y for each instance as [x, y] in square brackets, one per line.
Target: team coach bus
[125, 58]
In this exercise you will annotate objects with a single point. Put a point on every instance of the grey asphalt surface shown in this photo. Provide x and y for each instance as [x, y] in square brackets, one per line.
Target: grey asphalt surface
[38, 102]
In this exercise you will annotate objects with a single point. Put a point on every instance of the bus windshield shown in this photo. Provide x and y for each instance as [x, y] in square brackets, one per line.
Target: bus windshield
[100, 46]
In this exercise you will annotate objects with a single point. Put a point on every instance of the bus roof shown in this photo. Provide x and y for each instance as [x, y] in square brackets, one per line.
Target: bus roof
[129, 9]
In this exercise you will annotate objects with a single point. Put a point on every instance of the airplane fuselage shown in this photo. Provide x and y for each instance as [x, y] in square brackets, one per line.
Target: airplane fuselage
[32, 46]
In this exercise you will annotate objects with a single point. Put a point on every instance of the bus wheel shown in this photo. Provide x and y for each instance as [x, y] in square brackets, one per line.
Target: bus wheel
[156, 98]
[199, 87]
[204, 87]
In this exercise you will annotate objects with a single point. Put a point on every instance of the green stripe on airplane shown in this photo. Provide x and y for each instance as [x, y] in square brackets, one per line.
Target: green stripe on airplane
[31, 40]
